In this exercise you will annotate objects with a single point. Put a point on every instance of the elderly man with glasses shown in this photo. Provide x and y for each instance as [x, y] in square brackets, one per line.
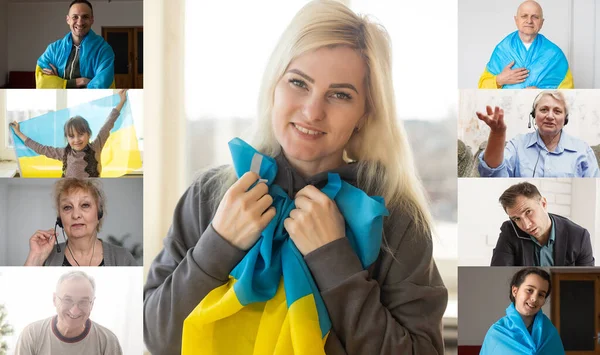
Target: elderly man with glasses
[70, 331]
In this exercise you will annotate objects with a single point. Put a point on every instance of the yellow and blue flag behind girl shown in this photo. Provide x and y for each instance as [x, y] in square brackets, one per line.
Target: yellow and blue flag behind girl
[547, 64]
[120, 154]
[96, 62]
[510, 336]
[271, 304]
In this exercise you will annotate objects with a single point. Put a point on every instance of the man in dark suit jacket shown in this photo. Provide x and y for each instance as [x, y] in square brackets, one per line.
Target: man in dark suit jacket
[534, 237]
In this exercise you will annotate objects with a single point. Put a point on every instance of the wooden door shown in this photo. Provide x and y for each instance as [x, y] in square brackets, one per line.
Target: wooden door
[576, 310]
[128, 45]
[138, 59]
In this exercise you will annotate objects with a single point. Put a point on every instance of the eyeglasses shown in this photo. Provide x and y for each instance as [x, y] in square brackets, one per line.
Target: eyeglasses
[83, 305]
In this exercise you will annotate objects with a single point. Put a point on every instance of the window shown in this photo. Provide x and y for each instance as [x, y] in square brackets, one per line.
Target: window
[24, 104]
[20, 105]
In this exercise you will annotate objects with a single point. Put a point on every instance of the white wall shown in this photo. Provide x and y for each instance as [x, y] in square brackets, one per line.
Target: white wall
[34, 25]
[584, 207]
[29, 206]
[3, 42]
[585, 62]
[484, 297]
[597, 46]
[583, 105]
[480, 215]
[569, 24]
[118, 304]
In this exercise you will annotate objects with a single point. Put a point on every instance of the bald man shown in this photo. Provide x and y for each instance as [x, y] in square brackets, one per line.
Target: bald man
[527, 59]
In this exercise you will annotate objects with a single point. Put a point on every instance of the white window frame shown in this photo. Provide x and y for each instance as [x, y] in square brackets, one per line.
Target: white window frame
[8, 153]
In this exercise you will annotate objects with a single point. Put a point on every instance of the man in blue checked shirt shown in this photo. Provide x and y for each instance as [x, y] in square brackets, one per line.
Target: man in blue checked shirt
[546, 152]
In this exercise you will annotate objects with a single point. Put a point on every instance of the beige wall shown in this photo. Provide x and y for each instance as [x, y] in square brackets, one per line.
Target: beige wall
[164, 134]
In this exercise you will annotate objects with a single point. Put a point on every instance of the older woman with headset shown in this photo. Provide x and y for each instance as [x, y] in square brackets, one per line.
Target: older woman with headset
[326, 109]
[81, 209]
[546, 152]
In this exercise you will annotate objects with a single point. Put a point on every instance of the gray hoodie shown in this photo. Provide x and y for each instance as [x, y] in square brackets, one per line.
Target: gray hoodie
[394, 307]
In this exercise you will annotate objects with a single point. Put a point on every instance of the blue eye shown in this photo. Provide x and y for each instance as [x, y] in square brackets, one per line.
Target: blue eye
[298, 83]
[342, 96]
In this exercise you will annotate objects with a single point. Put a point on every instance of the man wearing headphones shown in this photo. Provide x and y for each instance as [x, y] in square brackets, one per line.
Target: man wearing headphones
[546, 152]
[534, 237]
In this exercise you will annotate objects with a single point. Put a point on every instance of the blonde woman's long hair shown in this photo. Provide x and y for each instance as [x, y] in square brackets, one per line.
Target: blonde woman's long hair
[380, 147]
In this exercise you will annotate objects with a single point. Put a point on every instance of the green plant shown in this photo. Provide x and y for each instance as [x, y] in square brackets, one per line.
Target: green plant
[5, 329]
[136, 249]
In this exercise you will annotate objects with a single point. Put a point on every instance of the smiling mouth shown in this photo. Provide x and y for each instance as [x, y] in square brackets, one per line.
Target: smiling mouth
[307, 131]
[73, 317]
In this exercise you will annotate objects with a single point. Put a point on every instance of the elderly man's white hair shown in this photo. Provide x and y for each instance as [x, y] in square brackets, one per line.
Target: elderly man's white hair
[76, 275]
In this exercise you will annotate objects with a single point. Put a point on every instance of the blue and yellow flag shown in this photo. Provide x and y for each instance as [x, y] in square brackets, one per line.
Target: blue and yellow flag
[547, 64]
[510, 336]
[120, 154]
[271, 304]
[96, 62]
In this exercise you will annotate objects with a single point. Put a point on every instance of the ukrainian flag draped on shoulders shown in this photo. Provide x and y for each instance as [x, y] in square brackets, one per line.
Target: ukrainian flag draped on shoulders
[96, 62]
[510, 336]
[120, 154]
[271, 304]
[547, 64]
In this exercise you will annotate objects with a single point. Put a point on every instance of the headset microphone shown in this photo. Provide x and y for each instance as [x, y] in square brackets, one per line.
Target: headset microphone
[59, 224]
[534, 105]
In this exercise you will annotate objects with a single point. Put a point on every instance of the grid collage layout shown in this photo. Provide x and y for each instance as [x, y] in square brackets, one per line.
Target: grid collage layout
[299, 177]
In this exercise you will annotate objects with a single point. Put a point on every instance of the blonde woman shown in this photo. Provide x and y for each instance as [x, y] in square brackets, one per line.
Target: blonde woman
[326, 105]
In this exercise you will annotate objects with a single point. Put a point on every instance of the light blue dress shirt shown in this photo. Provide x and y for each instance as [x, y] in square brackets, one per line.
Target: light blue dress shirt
[544, 254]
[572, 157]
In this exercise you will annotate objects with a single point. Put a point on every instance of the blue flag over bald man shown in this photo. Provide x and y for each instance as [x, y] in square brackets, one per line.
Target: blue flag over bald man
[527, 59]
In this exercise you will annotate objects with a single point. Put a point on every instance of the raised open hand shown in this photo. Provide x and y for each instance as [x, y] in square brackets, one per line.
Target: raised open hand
[494, 119]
